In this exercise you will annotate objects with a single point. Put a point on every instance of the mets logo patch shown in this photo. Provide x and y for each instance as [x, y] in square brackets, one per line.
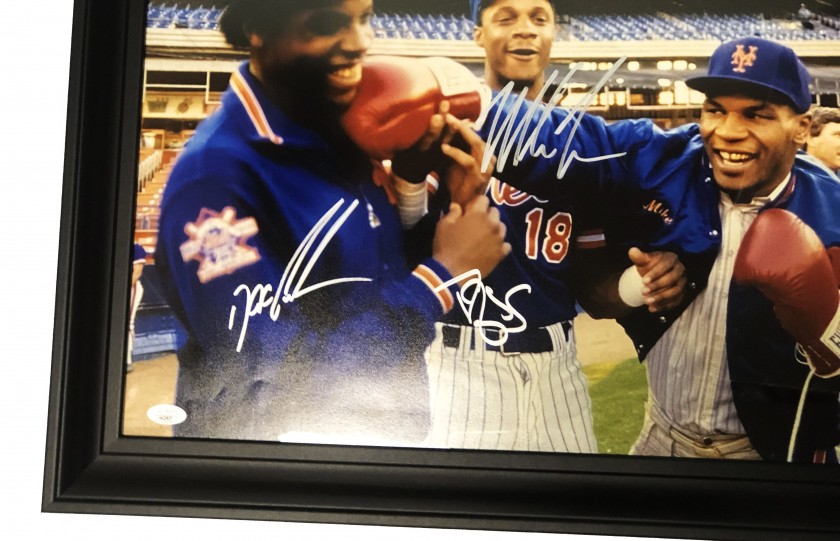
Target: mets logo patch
[217, 240]
[742, 59]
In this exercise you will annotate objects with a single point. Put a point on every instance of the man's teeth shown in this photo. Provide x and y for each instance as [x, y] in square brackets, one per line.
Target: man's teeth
[345, 72]
[734, 156]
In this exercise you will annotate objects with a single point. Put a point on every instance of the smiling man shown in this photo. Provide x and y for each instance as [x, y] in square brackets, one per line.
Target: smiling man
[724, 377]
[757, 228]
[270, 194]
[516, 36]
[528, 393]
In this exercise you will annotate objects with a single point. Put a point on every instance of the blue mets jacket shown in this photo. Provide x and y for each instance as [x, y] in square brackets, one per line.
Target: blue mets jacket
[657, 192]
[285, 263]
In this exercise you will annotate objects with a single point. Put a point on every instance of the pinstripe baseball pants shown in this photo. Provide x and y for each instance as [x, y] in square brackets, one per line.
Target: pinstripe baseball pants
[487, 399]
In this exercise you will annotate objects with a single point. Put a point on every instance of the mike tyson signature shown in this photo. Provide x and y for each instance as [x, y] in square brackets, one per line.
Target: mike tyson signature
[506, 132]
[292, 284]
[475, 294]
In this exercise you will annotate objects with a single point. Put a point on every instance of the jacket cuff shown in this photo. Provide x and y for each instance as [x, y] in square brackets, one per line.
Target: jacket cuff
[439, 282]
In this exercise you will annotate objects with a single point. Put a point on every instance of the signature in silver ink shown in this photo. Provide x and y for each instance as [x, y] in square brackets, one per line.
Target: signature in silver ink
[505, 133]
[292, 284]
[474, 294]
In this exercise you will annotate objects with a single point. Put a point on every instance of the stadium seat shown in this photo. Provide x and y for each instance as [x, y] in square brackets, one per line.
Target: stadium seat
[619, 26]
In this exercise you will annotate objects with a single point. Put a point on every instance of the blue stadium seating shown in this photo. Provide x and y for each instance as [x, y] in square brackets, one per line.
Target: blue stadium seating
[640, 27]
[183, 16]
[614, 27]
[416, 26]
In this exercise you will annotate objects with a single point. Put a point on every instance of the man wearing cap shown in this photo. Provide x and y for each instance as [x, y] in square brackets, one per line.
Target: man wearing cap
[730, 370]
[727, 371]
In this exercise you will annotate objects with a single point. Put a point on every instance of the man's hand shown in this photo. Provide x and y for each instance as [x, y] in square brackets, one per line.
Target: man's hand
[416, 162]
[470, 239]
[463, 176]
[663, 278]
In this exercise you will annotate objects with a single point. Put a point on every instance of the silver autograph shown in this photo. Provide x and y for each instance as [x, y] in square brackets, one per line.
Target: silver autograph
[505, 132]
[292, 283]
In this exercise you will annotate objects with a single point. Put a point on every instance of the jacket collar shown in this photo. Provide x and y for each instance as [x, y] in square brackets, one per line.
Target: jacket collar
[252, 99]
[263, 120]
[779, 195]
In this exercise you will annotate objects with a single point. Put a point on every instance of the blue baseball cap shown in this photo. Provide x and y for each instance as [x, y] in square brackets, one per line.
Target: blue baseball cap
[757, 64]
[475, 9]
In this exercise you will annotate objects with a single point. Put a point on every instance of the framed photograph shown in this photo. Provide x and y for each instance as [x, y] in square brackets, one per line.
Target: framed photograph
[308, 390]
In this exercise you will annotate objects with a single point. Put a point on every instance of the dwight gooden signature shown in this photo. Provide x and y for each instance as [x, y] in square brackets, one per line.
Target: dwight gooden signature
[292, 286]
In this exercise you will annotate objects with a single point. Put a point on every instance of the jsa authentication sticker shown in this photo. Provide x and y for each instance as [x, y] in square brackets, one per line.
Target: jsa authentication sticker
[166, 414]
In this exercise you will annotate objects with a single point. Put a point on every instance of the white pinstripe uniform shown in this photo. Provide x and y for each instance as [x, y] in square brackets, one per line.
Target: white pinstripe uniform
[530, 393]
[690, 405]
[483, 399]
[533, 395]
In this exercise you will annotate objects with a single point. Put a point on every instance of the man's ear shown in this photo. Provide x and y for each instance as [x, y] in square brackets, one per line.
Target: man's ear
[255, 40]
[478, 36]
[803, 129]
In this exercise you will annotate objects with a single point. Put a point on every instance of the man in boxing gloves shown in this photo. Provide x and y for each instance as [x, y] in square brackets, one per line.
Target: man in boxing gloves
[728, 365]
[726, 371]
[284, 260]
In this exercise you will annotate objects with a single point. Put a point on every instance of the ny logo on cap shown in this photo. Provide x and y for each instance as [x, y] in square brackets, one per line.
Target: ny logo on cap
[741, 59]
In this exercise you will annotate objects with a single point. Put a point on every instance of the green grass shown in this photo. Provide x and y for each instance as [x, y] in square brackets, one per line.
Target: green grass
[619, 391]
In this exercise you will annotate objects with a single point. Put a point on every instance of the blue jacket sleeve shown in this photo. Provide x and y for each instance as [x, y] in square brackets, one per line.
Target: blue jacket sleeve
[387, 309]
[546, 151]
[233, 269]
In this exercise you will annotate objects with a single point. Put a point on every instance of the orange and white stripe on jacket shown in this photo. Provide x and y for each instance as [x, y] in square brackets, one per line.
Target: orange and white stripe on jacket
[253, 108]
[434, 283]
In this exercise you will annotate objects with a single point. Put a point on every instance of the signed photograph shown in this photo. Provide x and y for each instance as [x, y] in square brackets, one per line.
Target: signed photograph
[503, 225]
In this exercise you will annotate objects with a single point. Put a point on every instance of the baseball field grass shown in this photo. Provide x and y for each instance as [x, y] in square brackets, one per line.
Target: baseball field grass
[618, 390]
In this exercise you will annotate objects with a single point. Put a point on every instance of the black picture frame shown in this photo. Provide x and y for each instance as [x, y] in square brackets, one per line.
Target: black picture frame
[91, 468]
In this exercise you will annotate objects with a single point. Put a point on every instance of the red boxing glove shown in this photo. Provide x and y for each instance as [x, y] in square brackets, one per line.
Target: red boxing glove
[787, 262]
[398, 96]
[834, 256]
